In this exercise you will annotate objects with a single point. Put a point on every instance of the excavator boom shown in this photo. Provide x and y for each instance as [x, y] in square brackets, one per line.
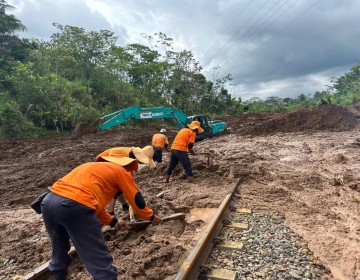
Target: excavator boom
[211, 128]
[136, 112]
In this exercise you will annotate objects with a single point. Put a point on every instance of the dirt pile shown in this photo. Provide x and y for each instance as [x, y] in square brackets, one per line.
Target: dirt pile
[325, 117]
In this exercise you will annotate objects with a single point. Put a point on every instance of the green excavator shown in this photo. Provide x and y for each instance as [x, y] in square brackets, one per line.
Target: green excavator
[211, 127]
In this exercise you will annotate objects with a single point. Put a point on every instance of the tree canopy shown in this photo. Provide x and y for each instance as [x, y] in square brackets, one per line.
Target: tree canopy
[80, 75]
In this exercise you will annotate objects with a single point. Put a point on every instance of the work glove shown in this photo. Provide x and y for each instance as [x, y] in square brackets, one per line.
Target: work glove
[156, 220]
[121, 225]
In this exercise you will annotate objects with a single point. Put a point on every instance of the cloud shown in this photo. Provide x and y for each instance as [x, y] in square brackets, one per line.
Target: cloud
[271, 48]
[38, 16]
[289, 87]
[288, 53]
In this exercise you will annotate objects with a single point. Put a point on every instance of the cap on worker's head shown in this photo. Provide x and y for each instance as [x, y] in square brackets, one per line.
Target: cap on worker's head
[130, 163]
[163, 130]
[195, 125]
[144, 155]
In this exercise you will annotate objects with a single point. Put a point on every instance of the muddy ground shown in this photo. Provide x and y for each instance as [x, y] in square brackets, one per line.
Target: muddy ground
[305, 165]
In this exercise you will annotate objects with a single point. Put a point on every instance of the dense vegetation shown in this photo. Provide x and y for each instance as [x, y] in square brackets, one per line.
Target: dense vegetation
[80, 75]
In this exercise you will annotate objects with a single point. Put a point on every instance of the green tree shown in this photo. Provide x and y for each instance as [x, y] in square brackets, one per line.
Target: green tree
[146, 72]
[80, 50]
[12, 48]
[347, 87]
[49, 100]
[349, 82]
[12, 122]
[184, 78]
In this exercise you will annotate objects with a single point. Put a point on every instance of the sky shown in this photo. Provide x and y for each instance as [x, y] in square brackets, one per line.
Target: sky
[271, 48]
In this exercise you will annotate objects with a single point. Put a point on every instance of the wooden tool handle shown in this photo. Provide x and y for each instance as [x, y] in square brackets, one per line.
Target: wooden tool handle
[131, 212]
[177, 216]
[144, 224]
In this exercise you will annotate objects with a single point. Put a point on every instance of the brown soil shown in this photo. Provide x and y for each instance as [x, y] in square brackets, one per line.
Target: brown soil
[304, 164]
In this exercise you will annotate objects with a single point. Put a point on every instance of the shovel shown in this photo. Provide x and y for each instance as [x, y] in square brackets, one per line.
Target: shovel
[141, 225]
[207, 156]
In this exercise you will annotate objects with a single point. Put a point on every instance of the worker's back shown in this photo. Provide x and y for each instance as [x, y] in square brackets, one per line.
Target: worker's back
[182, 139]
[159, 140]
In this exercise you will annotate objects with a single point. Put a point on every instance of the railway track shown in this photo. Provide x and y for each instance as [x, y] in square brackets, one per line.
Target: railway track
[241, 244]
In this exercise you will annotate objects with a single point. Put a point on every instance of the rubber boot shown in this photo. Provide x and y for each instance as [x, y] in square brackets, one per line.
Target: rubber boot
[191, 179]
[60, 274]
[167, 178]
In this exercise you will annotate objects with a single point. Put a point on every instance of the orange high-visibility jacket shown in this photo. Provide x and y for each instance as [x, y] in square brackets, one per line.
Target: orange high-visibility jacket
[94, 184]
[159, 140]
[182, 139]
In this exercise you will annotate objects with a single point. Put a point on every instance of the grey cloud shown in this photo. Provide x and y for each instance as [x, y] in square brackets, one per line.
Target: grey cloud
[39, 20]
[281, 54]
[321, 40]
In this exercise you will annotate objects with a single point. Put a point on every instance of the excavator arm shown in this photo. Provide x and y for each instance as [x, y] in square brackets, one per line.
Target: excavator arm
[211, 128]
[136, 112]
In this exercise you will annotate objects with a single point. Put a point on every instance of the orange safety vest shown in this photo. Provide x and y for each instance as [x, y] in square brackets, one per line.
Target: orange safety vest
[94, 184]
[182, 139]
[159, 140]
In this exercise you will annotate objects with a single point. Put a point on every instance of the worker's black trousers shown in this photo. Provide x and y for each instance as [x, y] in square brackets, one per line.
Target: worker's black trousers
[65, 218]
[183, 157]
[157, 154]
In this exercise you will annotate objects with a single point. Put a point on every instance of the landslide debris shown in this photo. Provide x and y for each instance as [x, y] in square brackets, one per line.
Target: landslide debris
[326, 117]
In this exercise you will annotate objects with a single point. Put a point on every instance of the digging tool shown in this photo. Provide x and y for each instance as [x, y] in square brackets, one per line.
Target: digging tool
[207, 156]
[141, 225]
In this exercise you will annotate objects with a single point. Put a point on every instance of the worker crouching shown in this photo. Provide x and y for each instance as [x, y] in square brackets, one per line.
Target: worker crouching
[75, 209]
[182, 145]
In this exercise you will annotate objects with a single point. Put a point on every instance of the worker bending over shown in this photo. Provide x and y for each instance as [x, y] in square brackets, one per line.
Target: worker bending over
[143, 155]
[160, 142]
[183, 143]
[75, 209]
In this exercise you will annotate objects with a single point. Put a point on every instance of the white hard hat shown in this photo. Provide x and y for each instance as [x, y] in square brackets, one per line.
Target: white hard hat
[163, 130]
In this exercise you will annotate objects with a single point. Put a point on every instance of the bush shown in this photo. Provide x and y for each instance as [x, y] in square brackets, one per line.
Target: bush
[13, 123]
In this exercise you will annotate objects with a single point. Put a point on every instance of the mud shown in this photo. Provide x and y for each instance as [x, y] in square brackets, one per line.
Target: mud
[303, 164]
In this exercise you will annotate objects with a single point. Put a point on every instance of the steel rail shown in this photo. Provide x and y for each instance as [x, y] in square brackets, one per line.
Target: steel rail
[190, 269]
[42, 272]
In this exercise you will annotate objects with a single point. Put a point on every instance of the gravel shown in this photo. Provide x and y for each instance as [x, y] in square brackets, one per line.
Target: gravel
[271, 251]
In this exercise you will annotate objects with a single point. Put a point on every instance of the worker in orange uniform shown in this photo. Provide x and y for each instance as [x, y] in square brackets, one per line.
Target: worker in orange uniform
[182, 145]
[75, 209]
[144, 155]
[160, 142]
